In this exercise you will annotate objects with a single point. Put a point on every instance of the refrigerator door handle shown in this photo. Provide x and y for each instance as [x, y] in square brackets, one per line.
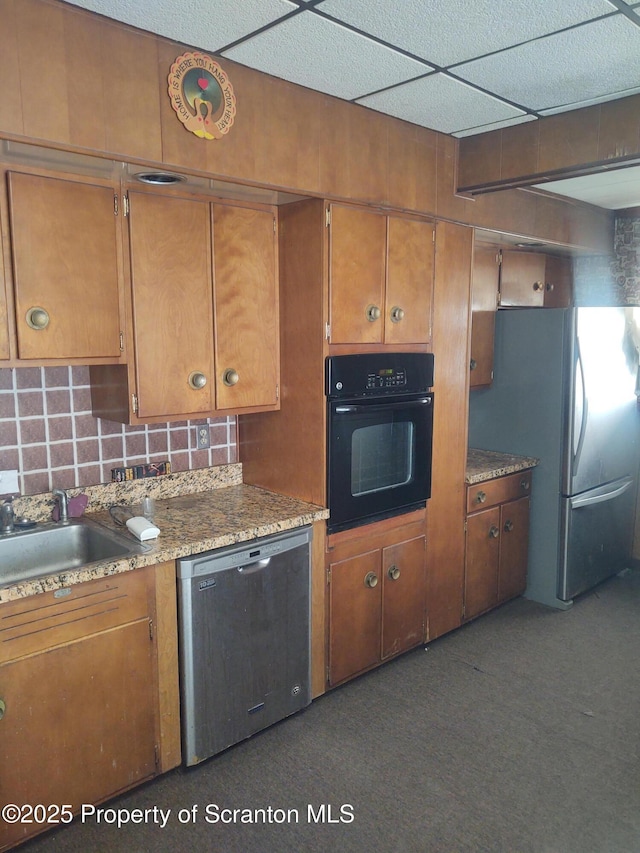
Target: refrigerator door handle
[585, 411]
[590, 499]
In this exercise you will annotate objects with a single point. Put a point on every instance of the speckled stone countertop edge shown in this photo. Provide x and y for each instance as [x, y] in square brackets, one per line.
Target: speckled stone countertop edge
[189, 524]
[483, 465]
[103, 495]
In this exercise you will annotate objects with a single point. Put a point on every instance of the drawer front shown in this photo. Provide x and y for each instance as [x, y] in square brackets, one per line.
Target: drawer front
[492, 492]
[49, 619]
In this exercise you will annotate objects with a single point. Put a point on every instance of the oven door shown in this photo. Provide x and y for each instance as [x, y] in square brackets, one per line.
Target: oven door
[379, 458]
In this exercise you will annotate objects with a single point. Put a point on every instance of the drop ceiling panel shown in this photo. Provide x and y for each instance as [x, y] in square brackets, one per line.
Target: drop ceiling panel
[616, 189]
[320, 54]
[441, 103]
[596, 60]
[450, 31]
[201, 23]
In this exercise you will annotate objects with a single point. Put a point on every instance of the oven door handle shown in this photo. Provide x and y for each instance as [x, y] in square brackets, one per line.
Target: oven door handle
[345, 410]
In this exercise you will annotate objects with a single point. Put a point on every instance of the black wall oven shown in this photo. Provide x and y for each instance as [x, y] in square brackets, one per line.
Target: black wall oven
[380, 427]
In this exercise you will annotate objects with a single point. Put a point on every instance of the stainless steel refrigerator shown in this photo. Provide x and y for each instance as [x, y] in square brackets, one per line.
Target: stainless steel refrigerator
[564, 391]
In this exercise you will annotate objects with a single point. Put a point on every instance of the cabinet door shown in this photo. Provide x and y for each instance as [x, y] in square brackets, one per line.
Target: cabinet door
[409, 288]
[481, 563]
[484, 303]
[170, 246]
[522, 279]
[64, 238]
[403, 596]
[514, 547]
[558, 292]
[79, 722]
[357, 250]
[355, 597]
[247, 343]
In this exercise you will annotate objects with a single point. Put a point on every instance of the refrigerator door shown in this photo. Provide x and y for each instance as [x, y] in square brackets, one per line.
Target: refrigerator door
[597, 533]
[602, 438]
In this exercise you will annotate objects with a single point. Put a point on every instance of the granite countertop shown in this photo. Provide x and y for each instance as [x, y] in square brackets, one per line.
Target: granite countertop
[485, 465]
[189, 524]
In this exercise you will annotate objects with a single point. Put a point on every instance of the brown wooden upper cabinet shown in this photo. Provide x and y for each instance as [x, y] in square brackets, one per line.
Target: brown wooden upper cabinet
[204, 312]
[484, 303]
[522, 279]
[380, 277]
[66, 275]
[247, 338]
[533, 279]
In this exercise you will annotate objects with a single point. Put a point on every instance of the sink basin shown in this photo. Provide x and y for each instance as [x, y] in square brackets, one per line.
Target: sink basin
[52, 548]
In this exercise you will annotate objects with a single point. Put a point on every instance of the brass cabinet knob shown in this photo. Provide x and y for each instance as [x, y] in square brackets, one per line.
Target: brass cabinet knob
[373, 313]
[371, 579]
[508, 526]
[538, 286]
[397, 314]
[473, 364]
[197, 380]
[481, 497]
[3, 708]
[393, 572]
[231, 377]
[37, 318]
[494, 532]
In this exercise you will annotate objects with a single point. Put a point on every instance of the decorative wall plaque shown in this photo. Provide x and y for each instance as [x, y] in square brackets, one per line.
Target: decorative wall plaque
[202, 95]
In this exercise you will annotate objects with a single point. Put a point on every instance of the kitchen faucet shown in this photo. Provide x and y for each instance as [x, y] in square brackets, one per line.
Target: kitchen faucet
[60, 497]
[6, 515]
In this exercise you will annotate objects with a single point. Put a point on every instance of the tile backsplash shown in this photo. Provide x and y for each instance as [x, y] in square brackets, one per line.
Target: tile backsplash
[48, 434]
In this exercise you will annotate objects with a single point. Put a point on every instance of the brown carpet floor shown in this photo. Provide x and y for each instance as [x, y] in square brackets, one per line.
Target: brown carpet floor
[519, 733]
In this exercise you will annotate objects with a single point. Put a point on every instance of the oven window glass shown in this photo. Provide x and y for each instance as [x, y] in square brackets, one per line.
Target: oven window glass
[381, 457]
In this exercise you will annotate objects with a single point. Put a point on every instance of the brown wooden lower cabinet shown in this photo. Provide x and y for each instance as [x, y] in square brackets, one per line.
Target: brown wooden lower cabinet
[376, 584]
[81, 718]
[497, 541]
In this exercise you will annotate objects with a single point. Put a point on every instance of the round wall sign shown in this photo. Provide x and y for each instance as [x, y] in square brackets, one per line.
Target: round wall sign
[202, 95]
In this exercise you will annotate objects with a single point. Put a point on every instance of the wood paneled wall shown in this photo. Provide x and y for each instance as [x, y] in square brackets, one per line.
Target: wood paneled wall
[74, 80]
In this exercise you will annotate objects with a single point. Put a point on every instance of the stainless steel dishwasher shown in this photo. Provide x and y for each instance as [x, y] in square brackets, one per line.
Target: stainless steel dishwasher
[244, 638]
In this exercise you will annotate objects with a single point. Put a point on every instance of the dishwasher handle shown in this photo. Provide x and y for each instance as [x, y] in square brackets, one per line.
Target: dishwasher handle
[252, 568]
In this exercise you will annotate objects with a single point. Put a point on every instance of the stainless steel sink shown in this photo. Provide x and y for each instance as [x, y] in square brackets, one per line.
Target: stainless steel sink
[52, 548]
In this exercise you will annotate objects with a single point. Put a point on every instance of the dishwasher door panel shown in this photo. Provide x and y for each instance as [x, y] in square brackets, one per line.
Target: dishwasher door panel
[244, 638]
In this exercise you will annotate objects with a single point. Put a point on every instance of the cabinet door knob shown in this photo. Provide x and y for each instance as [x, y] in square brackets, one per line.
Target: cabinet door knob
[473, 364]
[3, 708]
[508, 526]
[538, 286]
[397, 314]
[197, 380]
[230, 377]
[371, 580]
[373, 313]
[494, 532]
[393, 572]
[481, 497]
[524, 484]
[37, 318]
[550, 287]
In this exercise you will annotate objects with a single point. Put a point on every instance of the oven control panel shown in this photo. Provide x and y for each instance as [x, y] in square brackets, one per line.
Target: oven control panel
[387, 377]
[380, 373]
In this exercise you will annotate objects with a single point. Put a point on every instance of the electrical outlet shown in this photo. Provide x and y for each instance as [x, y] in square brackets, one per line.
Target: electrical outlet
[9, 483]
[203, 437]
